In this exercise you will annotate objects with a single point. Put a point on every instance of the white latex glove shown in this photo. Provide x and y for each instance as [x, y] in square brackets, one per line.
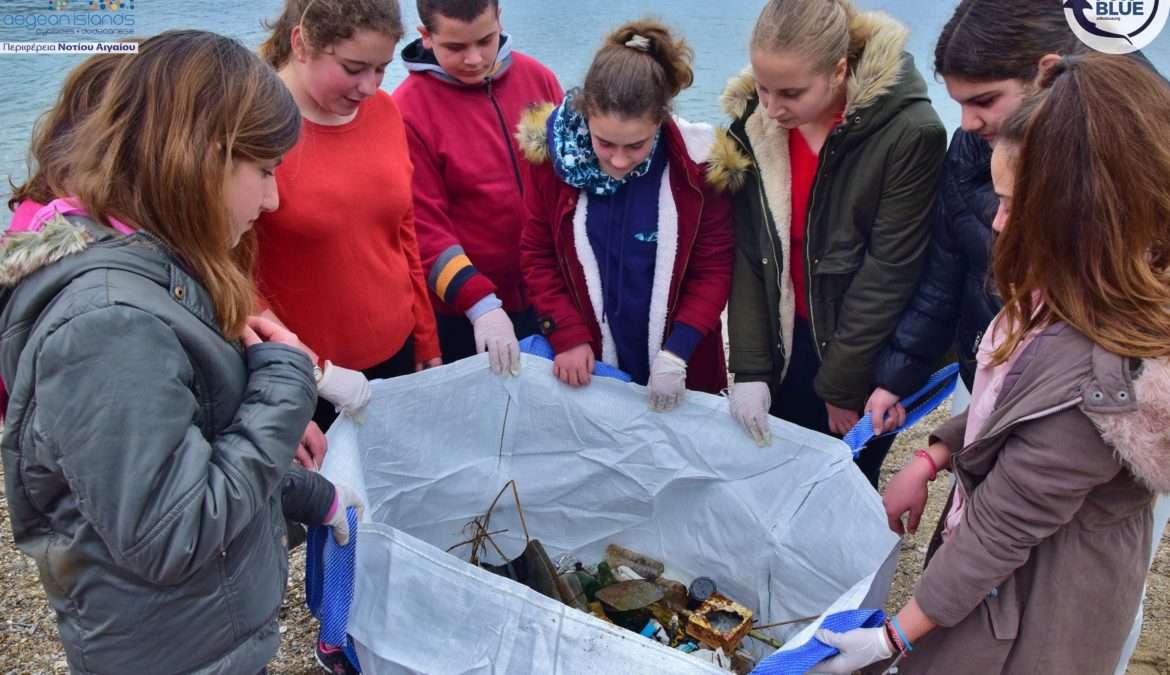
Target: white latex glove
[339, 522]
[750, 402]
[495, 335]
[668, 381]
[346, 389]
[859, 648]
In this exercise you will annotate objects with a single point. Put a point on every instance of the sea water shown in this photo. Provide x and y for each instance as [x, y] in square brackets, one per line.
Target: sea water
[563, 34]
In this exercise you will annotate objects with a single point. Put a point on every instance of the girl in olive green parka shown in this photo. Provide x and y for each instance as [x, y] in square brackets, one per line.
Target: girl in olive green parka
[832, 218]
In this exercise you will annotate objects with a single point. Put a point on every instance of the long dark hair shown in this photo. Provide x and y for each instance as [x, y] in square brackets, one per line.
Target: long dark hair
[997, 40]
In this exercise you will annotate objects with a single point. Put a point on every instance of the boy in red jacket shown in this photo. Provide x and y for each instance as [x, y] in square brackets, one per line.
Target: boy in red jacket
[461, 104]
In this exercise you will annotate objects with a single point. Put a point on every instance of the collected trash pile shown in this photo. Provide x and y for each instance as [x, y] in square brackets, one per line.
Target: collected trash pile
[788, 532]
[629, 589]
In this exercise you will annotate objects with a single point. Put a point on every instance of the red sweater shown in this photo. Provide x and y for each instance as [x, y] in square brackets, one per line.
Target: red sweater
[338, 259]
[804, 168]
[469, 205]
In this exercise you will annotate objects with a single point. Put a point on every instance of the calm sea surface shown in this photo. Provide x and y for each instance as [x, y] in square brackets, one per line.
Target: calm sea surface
[561, 33]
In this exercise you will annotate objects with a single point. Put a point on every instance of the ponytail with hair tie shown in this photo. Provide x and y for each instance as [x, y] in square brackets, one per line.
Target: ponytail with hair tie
[639, 42]
[630, 86]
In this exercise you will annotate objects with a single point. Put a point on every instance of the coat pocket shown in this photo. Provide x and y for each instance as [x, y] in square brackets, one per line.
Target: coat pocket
[846, 261]
[1003, 609]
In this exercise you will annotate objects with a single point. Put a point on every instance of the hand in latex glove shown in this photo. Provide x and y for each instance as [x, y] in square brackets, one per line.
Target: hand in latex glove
[859, 648]
[495, 335]
[343, 499]
[750, 402]
[347, 389]
[668, 381]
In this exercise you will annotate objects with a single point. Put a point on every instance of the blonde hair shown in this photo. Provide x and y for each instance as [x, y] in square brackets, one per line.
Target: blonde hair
[638, 71]
[157, 152]
[1090, 227]
[819, 31]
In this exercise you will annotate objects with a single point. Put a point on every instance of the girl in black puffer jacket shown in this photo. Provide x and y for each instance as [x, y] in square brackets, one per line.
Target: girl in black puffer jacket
[988, 54]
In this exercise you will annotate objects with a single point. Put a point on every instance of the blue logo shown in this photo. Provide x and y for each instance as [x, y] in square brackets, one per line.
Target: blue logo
[1116, 26]
[78, 18]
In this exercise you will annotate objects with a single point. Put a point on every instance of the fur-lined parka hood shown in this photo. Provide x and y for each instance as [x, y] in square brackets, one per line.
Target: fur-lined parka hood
[725, 168]
[1139, 432]
[37, 264]
[883, 71]
[22, 253]
[1127, 400]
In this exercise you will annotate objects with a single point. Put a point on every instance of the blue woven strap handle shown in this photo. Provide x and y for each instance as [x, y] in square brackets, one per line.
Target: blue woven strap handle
[538, 345]
[329, 577]
[798, 661]
[937, 389]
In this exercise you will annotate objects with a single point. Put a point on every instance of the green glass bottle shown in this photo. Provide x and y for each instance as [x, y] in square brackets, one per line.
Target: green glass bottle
[605, 574]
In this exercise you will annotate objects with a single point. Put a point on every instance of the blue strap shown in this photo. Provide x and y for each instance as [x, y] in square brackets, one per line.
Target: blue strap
[537, 345]
[798, 661]
[329, 577]
[942, 384]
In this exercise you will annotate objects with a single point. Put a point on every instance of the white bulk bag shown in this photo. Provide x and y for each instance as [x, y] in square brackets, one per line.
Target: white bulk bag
[788, 530]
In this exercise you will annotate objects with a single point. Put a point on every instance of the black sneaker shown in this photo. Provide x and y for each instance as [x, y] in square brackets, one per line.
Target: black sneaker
[334, 660]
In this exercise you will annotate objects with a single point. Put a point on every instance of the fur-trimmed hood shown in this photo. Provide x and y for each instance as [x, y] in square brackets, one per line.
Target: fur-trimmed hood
[877, 72]
[37, 264]
[1141, 434]
[22, 253]
[725, 168]
[1128, 403]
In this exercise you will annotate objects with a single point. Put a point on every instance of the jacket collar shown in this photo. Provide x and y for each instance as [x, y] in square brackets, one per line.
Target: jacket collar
[703, 144]
[882, 82]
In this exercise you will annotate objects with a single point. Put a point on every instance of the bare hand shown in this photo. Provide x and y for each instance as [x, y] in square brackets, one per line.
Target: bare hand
[259, 329]
[574, 366]
[907, 491]
[883, 402]
[312, 449]
[841, 420]
[427, 365]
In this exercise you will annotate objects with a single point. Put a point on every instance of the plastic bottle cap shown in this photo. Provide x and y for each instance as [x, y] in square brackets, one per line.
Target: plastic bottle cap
[701, 589]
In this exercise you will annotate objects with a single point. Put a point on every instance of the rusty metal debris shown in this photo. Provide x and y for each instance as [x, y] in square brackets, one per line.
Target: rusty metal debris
[720, 623]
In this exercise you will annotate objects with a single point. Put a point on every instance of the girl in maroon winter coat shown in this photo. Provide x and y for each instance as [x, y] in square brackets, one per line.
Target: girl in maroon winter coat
[627, 251]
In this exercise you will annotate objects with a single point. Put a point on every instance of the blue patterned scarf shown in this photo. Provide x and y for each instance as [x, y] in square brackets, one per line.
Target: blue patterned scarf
[573, 156]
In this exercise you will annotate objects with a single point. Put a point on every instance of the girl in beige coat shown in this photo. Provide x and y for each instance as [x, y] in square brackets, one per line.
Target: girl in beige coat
[1038, 564]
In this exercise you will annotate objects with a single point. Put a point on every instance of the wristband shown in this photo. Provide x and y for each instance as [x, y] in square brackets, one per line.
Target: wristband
[930, 460]
[901, 635]
[892, 636]
[333, 507]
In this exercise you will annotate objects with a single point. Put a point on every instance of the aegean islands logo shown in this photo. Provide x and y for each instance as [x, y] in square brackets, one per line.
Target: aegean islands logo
[1116, 26]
